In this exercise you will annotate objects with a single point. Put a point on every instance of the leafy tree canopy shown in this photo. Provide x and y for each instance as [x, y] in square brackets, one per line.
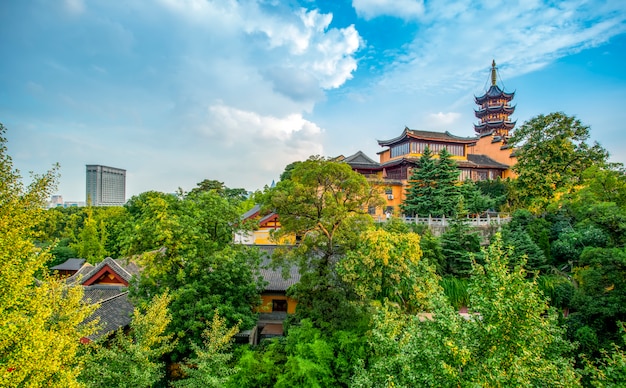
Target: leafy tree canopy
[39, 320]
[552, 154]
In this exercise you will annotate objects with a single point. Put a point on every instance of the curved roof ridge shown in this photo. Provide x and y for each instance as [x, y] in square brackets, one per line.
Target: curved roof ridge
[116, 267]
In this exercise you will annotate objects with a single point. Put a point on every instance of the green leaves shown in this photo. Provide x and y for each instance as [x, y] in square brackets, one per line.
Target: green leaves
[39, 319]
[133, 359]
[552, 154]
[433, 187]
[510, 338]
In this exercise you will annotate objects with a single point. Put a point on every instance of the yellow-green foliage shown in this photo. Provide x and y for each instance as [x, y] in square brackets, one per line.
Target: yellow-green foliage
[39, 320]
[389, 265]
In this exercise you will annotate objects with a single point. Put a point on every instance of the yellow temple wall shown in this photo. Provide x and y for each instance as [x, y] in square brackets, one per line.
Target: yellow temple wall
[485, 146]
[266, 303]
[384, 156]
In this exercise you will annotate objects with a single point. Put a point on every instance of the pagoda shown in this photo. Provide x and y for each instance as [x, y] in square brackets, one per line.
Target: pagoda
[495, 109]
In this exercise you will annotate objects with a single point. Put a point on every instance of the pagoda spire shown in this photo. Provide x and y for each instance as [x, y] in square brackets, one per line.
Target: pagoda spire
[494, 109]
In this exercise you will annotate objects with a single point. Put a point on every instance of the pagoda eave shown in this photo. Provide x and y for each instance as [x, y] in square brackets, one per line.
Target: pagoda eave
[494, 110]
[494, 125]
[493, 93]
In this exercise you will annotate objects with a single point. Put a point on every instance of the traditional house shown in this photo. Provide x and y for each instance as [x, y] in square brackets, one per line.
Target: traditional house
[261, 233]
[105, 285]
[69, 267]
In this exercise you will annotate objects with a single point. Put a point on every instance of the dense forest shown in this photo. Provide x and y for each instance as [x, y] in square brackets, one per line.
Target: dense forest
[378, 303]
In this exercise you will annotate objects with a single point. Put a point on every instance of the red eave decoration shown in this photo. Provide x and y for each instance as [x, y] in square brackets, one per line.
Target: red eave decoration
[104, 270]
[84, 340]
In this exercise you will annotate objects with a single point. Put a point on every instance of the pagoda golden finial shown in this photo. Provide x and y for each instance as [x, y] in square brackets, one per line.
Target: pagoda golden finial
[493, 73]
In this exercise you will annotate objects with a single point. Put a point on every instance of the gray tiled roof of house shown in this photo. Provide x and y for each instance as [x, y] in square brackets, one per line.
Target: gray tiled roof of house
[79, 276]
[485, 161]
[360, 159]
[69, 265]
[113, 313]
[98, 293]
[275, 279]
[251, 213]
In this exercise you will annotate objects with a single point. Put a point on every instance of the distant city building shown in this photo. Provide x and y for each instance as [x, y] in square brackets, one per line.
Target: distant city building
[106, 186]
[56, 200]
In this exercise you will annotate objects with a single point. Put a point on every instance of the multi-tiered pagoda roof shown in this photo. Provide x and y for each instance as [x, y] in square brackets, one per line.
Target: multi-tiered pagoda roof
[494, 109]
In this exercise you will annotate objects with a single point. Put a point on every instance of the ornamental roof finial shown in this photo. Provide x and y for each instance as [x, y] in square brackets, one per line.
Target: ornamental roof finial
[493, 73]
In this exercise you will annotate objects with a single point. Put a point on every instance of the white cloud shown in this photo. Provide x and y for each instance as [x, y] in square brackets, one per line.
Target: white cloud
[443, 120]
[521, 37]
[299, 41]
[403, 9]
[74, 7]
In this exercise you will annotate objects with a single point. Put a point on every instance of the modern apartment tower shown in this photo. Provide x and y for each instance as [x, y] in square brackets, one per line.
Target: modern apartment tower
[106, 186]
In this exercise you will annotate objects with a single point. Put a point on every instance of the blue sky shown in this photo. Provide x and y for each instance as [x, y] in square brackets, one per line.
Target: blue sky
[179, 91]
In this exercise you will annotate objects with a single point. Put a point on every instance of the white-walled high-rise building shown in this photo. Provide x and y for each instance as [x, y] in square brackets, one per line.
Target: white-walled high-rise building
[106, 186]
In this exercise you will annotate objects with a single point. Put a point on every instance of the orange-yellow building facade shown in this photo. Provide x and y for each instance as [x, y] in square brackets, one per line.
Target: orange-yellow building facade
[484, 156]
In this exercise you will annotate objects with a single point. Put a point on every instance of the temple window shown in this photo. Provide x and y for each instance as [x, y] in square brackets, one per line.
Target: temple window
[279, 305]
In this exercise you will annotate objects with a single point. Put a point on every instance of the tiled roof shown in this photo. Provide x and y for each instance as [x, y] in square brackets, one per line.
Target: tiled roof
[115, 266]
[252, 212]
[446, 137]
[494, 92]
[69, 265]
[360, 160]
[483, 161]
[113, 313]
[79, 276]
[275, 279]
[98, 293]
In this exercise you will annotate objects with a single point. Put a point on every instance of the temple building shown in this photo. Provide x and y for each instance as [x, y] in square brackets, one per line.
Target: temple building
[484, 156]
[494, 109]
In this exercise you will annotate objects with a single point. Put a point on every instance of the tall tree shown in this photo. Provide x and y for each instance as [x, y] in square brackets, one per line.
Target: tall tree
[421, 191]
[39, 320]
[185, 245]
[448, 186]
[324, 204]
[209, 367]
[433, 188]
[91, 239]
[552, 154]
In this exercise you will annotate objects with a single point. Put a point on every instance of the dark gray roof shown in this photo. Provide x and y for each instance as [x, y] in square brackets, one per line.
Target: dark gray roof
[445, 137]
[485, 162]
[113, 313]
[361, 160]
[79, 276]
[69, 265]
[252, 212]
[98, 293]
[274, 277]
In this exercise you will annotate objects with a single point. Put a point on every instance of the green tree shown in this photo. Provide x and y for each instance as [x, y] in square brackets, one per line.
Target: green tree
[387, 266]
[324, 204]
[421, 191]
[209, 367]
[433, 187]
[511, 338]
[184, 245]
[552, 154]
[39, 320]
[132, 359]
[459, 246]
[91, 239]
[598, 302]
